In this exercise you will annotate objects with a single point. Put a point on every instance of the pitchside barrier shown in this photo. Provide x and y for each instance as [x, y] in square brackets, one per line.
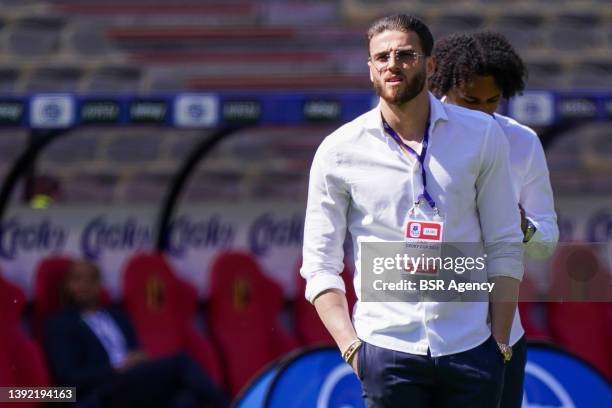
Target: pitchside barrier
[319, 378]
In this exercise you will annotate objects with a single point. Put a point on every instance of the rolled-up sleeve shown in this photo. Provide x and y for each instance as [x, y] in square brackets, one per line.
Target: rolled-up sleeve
[500, 218]
[324, 226]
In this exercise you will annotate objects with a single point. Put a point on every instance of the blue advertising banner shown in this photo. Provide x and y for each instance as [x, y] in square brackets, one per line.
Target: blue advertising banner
[256, 392]
[205, 110]
[319, 378]
[556, 379]
[313, 378]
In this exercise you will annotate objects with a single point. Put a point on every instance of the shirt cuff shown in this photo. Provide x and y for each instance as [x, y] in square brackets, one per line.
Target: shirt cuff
[320, 282]
[507, 263]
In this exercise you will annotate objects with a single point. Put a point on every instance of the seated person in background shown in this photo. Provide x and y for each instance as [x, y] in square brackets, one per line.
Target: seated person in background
[94, 349]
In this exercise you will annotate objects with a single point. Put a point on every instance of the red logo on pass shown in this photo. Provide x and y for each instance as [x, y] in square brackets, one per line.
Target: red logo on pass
[424, 230]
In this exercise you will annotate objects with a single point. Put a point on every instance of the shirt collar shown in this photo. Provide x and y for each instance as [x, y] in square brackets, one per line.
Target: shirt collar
[436, 113]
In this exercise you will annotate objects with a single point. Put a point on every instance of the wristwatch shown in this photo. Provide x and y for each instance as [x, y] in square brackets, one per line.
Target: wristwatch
[529, 231]
[506, 351]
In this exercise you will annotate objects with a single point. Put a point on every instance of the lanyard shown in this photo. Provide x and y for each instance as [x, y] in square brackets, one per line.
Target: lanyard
[420, 157]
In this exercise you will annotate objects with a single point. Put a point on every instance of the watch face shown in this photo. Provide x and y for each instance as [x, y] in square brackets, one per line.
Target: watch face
[531, 229]
[506, 351]
[507, 354]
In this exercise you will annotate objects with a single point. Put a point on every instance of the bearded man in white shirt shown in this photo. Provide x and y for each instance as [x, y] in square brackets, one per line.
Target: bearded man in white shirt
[371, 177]
[476, 71]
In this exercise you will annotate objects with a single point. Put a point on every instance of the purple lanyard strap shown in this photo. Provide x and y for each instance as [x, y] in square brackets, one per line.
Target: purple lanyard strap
[420, 157]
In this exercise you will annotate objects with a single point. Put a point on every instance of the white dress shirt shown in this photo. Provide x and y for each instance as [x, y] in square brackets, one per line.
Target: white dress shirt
[361, 180]
[531, 182]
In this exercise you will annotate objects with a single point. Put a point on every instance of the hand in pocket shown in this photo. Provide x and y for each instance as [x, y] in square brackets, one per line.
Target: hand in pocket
[355, 362]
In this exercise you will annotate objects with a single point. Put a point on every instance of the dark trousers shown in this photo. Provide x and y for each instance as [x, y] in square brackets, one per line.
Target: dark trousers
[174, 381]
[470, 379]
[514, 376]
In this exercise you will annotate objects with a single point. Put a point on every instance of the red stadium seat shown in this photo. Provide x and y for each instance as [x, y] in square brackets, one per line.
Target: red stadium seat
[21, 360]
[278, 82]
[528, 306]
[151, 297]
[581, 326]
[30, 366]
[243, 314]
[7, 374]
[48, 293]
[578, 274]
[188, 300]
[181, 32]
[49, 276]
[254, 57]
[308, 327]
[584, 329]
[12, 303]
[282, 342]
[22, 363]
[162, 308]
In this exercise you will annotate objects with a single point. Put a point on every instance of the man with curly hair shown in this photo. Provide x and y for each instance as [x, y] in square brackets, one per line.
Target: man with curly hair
[476, 71]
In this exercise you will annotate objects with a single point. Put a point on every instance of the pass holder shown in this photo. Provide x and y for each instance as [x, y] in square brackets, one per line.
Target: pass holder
[424, 236]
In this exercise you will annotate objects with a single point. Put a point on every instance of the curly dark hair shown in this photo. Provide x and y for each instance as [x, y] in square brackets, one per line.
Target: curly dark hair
[405, 23]
[461, 56]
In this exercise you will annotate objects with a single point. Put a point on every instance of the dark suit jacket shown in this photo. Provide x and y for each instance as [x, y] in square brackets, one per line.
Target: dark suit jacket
[76, 356]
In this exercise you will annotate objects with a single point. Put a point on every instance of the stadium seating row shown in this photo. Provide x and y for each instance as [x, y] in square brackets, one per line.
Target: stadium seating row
[244, 317]
[22, 362]
[126, 46]
[244, 303]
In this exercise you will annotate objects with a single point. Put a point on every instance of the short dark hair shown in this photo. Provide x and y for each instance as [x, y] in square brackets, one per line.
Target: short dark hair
[404, 23]
[459, 57]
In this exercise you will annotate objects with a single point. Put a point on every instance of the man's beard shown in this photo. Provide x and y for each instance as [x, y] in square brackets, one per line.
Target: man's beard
[407, 93]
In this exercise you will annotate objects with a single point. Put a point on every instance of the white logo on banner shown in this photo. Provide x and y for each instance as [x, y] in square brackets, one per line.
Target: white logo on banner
[52, 111]
[553, 385]
[193, 110]
[333, 378]
[533, 108]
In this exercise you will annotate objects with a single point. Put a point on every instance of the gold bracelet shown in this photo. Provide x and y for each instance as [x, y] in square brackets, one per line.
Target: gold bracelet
[351, 350]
